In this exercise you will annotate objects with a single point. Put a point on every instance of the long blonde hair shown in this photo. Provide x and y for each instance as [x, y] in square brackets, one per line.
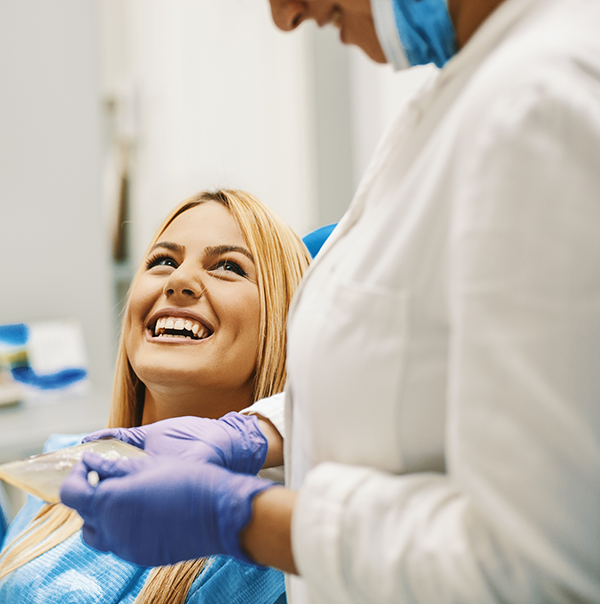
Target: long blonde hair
[280, 259]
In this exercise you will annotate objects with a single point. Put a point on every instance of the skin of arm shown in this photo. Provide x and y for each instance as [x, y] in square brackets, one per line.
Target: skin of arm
[275, 440]
[267, 538]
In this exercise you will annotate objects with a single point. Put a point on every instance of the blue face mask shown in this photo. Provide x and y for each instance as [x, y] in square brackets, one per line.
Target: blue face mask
[414, 32]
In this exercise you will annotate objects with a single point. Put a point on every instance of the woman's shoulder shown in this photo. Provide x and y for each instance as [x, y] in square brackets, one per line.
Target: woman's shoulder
[226, 581]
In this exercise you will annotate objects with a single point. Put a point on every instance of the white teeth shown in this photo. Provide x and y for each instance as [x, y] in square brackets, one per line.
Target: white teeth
[178, 324]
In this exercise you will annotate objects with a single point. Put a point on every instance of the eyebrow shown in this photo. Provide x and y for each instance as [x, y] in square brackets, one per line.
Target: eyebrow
[215, 250]
[174, 247]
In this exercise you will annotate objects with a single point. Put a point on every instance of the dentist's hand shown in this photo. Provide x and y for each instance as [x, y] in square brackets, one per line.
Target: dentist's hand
[234, 441]
[162, 510]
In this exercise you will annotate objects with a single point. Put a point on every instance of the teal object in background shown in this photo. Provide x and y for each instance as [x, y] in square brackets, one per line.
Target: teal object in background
[15, 334]
[15, 357]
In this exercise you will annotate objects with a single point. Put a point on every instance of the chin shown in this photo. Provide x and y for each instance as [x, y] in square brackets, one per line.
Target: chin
[168, 373]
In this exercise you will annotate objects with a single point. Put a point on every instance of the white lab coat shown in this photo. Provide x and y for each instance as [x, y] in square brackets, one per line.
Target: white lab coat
[443, 405]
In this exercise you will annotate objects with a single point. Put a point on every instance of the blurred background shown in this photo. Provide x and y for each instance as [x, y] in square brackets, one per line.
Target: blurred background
[113, 111]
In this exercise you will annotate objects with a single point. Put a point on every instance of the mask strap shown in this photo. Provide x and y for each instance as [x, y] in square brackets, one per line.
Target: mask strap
[387, 34]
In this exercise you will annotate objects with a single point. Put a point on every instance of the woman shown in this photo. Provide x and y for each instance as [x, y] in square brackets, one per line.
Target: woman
[203, 334]
[444, 436]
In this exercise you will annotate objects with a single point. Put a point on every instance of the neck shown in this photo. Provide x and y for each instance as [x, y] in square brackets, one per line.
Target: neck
[213, 403]
[468, 15]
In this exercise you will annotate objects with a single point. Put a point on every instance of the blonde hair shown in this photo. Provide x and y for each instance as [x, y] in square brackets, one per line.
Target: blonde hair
[280, 258]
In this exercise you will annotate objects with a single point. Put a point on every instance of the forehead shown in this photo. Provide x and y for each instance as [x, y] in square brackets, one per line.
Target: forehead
[209, 223]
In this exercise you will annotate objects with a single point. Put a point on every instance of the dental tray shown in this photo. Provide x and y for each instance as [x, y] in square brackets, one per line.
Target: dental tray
[42, 475]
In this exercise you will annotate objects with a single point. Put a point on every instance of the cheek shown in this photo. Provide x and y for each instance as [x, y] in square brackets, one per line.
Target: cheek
[137, 309]
[248, 320]
[142, 297]
[129, 334]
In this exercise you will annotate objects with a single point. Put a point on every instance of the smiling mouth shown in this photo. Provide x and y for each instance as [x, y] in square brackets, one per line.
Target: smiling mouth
[176, 327]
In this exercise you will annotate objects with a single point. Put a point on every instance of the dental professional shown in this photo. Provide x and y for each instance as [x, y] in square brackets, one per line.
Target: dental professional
[442, 405]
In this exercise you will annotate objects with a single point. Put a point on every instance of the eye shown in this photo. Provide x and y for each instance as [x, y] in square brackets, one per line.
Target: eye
[160, 260]
[229, 266]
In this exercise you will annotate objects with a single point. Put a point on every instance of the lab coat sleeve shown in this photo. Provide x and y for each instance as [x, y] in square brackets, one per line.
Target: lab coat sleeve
[271, 408]
[517, 516]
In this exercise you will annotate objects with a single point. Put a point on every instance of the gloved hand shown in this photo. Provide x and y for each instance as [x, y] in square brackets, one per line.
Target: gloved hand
[234, 441]
[162, 510]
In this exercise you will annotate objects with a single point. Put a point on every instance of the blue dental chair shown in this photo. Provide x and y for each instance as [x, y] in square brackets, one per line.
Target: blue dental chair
[315, 239]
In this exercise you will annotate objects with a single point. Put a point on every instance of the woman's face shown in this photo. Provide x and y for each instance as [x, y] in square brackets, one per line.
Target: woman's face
[353, 18]
[193, 314]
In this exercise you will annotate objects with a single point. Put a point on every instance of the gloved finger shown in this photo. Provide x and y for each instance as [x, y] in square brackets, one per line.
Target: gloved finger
[131, 436]
[100, 434]
[92, 537]
[109, 468]
[76, 492]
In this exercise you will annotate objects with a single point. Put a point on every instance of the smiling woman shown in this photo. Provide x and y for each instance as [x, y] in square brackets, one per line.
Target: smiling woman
[203, 334]
[194, 316]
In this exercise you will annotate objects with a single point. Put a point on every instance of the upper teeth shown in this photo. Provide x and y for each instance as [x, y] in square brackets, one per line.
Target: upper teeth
[184, 325]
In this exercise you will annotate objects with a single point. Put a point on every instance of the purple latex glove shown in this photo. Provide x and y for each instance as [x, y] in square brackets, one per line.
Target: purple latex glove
[234, 441]
[162, 510]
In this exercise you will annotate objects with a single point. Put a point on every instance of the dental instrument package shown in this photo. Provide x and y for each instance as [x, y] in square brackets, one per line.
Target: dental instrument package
[40, 361]
[42, 475]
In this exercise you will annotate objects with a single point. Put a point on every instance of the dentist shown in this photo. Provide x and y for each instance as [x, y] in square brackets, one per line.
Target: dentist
[442, 418]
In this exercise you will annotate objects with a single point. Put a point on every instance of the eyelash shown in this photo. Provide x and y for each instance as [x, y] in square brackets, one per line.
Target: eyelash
[238, 269]
[156, 260]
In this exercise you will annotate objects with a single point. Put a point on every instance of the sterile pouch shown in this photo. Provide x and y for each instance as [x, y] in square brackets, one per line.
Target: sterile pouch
[43, 474]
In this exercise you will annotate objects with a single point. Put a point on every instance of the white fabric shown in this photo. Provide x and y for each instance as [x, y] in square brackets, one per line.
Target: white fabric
[443, 402]
[387, 33]
[271, 408]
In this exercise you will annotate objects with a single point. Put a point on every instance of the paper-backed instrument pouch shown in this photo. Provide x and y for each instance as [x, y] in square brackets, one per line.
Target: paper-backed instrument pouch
[42, 475]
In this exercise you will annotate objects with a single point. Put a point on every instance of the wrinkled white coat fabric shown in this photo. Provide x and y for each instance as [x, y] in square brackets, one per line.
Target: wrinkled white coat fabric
[443, 403]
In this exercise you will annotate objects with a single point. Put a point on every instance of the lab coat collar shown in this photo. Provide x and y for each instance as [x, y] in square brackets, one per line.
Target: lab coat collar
[502, 21]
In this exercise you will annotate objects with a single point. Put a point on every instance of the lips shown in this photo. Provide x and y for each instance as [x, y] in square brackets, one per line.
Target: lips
[176, 325]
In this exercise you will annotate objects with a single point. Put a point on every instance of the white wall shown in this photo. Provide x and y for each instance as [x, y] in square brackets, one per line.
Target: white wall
[220, 99]
[53, 255]
[215, 96]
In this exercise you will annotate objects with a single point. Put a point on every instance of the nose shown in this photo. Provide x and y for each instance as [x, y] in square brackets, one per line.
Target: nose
[184, 284]
[288, 14]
